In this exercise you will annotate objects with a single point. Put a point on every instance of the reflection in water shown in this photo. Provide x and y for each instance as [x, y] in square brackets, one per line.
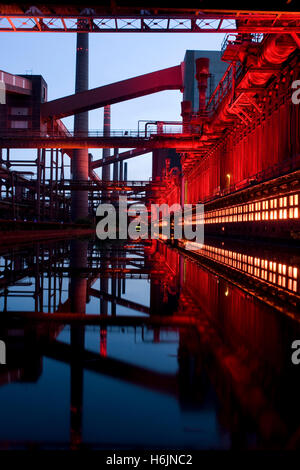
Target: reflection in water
[139, 345]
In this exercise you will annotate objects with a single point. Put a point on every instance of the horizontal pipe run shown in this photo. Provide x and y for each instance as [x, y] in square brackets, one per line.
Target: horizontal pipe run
[180, 143]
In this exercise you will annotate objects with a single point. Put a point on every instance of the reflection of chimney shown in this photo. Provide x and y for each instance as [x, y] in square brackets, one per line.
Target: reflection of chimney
[78, 295]
[202, 73]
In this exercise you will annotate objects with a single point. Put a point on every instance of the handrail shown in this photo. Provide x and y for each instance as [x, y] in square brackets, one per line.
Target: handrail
[279, 169]
[4, 133]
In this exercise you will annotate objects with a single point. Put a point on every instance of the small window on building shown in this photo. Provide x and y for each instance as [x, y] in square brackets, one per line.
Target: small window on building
[19, 111]
[19, 124]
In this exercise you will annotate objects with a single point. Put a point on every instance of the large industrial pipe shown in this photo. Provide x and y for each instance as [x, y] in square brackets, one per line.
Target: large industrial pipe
[80, 159]
[275, 51]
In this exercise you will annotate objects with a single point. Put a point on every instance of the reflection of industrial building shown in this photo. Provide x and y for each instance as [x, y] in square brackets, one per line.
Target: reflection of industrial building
[212, 327]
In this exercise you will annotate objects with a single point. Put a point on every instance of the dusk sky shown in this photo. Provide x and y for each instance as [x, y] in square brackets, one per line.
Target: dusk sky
[113, 57]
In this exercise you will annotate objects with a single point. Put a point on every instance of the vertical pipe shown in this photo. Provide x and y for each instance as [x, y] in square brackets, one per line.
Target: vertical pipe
[44, 180]
[115, 166]
[51, 184]
[114, 294]
[121, 172]
[56, 183]
[202, 73]
[79, 166]
[106, 152]
[38, 183]
[125, 171]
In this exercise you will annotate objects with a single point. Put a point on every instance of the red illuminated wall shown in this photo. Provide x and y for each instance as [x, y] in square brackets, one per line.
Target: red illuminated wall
[270, 139]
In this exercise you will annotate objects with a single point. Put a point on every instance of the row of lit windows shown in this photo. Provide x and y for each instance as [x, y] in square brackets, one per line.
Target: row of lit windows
[280, 274]
[281, 208]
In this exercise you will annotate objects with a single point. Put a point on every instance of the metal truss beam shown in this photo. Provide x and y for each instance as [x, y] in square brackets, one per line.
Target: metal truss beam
[189, 22]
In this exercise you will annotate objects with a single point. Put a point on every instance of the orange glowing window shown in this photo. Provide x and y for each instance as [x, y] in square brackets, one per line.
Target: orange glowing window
[296, 214]
[294, 286]
[296, 199]
[291, 200]
[295, 273]
[284, 269]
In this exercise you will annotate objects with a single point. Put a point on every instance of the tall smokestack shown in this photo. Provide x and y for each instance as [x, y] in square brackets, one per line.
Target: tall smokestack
[80, 158]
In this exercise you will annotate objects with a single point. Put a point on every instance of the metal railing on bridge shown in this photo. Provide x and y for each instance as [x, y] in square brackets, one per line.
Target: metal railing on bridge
[141, 133]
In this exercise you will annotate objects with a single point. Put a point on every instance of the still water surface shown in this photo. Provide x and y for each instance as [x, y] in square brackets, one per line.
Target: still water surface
[209, 367]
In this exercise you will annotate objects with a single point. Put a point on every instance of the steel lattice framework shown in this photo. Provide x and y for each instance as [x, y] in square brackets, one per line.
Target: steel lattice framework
[35, 20]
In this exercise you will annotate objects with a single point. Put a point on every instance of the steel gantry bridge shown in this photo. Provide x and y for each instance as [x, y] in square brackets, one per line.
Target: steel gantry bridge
[114, 18]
